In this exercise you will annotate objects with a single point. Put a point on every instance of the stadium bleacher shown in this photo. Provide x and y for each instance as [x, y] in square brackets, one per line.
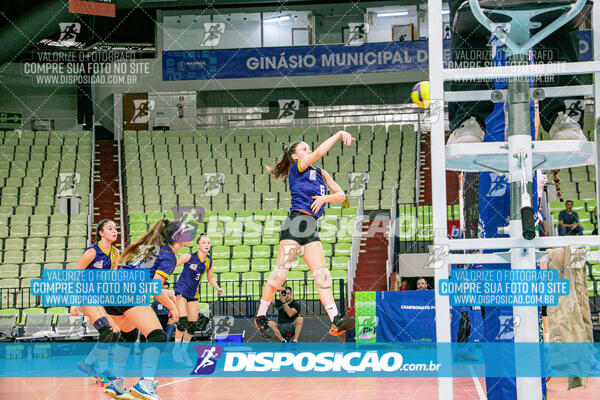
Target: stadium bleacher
[33, 232]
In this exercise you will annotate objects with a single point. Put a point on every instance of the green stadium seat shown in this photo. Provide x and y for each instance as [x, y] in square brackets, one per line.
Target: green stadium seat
[260, 265]
[220, 252]
[34, 256]
[14, 244]
[252, 285]
[233, 239]
[299, 264]
[9, 283]
[343, 249]
[221, 265]
[9, 271]
[73, 255]
[270, 238]
[340, 262]
[242, 251]
[339, 274]
[31, 271]
[261, 251]
[240, 265]
[55, 256]
[327, 249]
[252, 238]
[13, 256]
[261, 215]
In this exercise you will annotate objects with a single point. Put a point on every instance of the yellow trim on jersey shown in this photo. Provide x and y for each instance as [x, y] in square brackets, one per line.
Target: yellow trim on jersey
[114, 255]
[164, 274]
[300, 169]
[202, 260]
[101, 249]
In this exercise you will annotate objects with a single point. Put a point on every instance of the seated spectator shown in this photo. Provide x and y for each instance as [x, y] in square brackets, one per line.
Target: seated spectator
[422, 284]
[289, 322]
[568, 221]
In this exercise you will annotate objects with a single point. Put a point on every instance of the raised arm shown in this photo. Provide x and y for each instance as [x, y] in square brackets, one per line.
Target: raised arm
[324, 148]
[183, 259]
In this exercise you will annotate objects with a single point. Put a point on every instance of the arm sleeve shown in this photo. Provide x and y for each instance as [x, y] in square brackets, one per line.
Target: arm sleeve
[165, 264]
[576, 216]
[561, 216]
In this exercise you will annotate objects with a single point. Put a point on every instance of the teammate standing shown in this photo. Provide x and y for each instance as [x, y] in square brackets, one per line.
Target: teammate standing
[100, 255]
[186, 292]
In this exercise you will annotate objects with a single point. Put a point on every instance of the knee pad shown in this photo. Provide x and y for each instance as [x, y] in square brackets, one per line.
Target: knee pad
[322, 278]
[105, 333]
[116, 336]
[128, 337]
[157, 338]
[182, 324]
[191, 328]
[277, 277]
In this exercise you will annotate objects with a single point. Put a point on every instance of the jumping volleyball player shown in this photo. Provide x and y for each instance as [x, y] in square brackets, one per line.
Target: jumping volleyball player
[155, 251]
[186, 292]
[100, 255]
[308, 185]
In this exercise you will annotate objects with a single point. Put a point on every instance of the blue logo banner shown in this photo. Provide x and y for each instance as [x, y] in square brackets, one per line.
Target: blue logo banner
[508, 287]
[94, 287]
[60, 359]
[309, 60]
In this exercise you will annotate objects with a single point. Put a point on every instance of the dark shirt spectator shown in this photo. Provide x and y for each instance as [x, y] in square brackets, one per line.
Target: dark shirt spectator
[568, 221]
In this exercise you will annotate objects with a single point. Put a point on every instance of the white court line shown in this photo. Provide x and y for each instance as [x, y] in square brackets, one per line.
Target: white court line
[482, 395]
[174, 382]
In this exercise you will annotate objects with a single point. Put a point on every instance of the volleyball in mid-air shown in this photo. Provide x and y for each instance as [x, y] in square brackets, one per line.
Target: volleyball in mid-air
[420, 94]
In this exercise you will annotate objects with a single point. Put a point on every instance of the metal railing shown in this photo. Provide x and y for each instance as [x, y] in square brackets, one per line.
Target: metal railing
[90, 217]
[355, 250]
[389, 265]
[120, 183]
[241, 297]
[251, 117]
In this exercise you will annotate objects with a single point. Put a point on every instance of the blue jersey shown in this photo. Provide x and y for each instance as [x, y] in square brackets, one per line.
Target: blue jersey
[104, 259]
[161, 262]
[189, 280]
[304, 185]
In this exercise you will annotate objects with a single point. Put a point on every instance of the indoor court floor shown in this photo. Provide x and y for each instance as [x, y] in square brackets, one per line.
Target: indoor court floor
[193, 388]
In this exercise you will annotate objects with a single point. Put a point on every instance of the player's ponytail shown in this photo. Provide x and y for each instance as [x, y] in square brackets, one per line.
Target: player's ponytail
[147, 243]
[282, 168]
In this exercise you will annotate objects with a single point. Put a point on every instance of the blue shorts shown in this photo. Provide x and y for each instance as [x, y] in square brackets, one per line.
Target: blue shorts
[193, 298]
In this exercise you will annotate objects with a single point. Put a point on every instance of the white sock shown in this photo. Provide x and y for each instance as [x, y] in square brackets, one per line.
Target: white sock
[148, 371]
[119, 369]
[102, 366]
[332, 311]
[91, 358]
[263, 307]
[184, 346]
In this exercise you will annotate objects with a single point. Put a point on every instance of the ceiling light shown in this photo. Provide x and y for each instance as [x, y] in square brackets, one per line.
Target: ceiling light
[392, 14]
[275, 19]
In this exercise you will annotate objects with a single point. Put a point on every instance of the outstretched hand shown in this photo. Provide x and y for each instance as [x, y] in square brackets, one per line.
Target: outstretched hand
[347, 138]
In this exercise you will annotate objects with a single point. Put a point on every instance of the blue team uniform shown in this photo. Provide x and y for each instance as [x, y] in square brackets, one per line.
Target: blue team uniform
[304, 185]
[163, 262]
[191, 275]
[104, 259]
